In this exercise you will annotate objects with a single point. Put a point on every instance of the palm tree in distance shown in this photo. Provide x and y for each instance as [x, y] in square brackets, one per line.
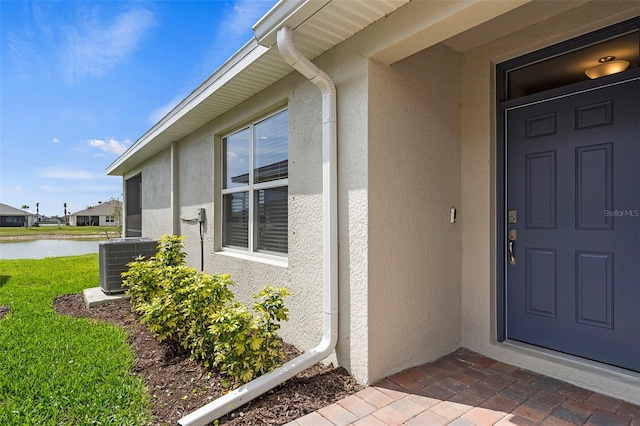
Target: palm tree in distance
[65, 213]
[37, 212]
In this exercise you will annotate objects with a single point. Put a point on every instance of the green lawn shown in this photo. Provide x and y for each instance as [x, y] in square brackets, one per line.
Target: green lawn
[56, 370]
[36, 231]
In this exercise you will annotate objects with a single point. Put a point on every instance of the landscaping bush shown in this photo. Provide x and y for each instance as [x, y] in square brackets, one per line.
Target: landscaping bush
[198, 311]
[247, 345]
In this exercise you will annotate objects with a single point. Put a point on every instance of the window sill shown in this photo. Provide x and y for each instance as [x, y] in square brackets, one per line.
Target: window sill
[282, 262]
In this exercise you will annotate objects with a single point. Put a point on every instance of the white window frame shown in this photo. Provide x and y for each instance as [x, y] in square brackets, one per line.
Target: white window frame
[275, 258]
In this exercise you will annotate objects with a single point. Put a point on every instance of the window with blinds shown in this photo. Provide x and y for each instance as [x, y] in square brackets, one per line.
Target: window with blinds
[255, 187]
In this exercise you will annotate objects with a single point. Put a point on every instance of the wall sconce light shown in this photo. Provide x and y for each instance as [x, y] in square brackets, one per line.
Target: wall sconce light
[608, 65]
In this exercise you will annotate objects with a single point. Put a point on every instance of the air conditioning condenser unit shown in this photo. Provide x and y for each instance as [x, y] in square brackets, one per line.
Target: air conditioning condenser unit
[114, 256]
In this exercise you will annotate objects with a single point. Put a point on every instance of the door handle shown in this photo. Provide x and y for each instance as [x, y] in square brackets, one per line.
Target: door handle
[512, 236]
[512, 257]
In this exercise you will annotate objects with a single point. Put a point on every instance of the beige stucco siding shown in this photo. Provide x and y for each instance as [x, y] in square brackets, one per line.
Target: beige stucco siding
[198, 187]
[195, 190]
[414, 180]
[156, 195]
[349, 71]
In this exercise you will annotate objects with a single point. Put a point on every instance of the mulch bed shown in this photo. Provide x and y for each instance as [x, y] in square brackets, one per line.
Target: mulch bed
[179, 385]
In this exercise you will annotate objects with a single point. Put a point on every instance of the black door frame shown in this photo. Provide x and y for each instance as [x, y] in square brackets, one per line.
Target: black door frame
[502, 105]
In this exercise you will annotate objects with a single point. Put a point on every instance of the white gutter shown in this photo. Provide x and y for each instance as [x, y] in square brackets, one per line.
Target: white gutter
[291, 13]
[262, 384]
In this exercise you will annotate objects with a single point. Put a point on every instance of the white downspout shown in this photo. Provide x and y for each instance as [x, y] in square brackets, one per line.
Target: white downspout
[175, 187]
[262, 384]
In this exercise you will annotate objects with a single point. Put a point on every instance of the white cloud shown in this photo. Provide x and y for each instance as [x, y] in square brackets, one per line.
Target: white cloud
[21, 52]
[159, 113]
[55, 140]
[246, 13]
[93, 48]
[89, 41]
[234, 29]
[110, 145]
[60, 173]
[231, 30]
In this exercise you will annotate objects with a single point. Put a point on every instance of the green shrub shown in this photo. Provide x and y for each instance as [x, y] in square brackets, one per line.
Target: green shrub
[147, 278]
[247, 345]
[198, 311]
[201, 299]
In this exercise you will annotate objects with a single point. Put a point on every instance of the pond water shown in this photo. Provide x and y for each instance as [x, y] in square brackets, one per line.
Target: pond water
[39, 249]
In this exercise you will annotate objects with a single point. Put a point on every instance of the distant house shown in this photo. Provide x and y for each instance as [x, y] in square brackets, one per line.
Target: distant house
[99, 215]
[11, 216]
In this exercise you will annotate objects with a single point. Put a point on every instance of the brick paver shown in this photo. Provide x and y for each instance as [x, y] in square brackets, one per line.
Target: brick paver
[427, 418]
[338, 415]
[532, 411]
[605, 402]
[450, 410]
[468, 389]
[356, 405]
[483, 416]
[313, 419]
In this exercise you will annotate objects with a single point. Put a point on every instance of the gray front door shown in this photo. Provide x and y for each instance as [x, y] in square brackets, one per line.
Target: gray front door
[573, 191]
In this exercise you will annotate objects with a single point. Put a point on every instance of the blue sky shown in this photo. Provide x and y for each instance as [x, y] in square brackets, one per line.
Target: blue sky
[82, 80]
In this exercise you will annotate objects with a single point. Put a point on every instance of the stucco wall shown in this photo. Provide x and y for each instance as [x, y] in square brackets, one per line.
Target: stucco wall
[156, 196]
[195, 190]
[198, 187]
[303, 275]
[414, 180]
[198, 177]
[349, 69]
[479, 193]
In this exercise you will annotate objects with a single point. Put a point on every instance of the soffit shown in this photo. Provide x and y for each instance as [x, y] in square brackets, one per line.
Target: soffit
[510, 22]
[250, 71]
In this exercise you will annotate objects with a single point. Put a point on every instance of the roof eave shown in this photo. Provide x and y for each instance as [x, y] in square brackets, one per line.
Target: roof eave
[286, 12]
[234, 65]
[291, 13]
[180, 121]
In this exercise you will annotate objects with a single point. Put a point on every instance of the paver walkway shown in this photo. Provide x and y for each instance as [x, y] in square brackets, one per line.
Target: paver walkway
[464, 389]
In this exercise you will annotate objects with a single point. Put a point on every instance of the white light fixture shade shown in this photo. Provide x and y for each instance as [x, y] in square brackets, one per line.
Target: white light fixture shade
[608, 65]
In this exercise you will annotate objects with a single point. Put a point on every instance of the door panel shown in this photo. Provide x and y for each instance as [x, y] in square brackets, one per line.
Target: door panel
[541, 190]
[573, 176]
[594, 186]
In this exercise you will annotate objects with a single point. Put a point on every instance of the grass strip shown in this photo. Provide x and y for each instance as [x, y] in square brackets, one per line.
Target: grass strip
[56, 370]
[35, 231]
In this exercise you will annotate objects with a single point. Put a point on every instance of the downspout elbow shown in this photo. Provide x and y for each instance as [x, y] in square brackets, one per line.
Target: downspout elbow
[304, 66]
[293, 56]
